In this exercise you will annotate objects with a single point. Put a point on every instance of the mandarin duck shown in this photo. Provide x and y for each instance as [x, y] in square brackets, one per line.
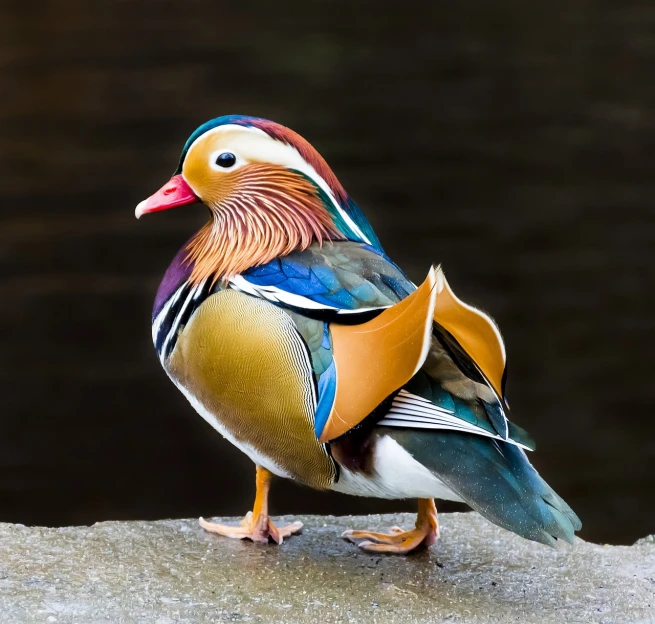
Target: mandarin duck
[293, 334]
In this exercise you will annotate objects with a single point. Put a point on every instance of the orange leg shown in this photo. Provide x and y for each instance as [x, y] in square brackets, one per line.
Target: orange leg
[256, 526]
[397, 541]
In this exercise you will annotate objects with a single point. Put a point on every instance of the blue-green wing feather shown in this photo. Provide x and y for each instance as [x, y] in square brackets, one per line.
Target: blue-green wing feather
[343, 276]
[496, 479]
[349, 280]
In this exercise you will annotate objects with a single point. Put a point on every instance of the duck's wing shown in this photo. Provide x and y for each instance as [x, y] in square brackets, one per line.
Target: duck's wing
[343, 280]
[449, 393]
[403, 370]
[416, 365]
[355, 292]
[380, 346]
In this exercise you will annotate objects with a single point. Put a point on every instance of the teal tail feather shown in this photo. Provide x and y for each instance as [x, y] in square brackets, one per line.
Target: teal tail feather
[496, 479]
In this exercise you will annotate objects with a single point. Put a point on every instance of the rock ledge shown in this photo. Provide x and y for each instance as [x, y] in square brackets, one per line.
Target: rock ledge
[172, 572]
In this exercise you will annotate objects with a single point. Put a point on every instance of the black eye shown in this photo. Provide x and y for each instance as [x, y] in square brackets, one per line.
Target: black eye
[226, 159]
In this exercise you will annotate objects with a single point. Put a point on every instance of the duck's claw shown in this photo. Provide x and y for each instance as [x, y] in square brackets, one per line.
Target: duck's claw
[256, 525]
[398, 541]
[257, 531]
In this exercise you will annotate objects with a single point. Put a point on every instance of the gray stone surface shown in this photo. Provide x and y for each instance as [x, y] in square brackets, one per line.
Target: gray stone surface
[172, 572]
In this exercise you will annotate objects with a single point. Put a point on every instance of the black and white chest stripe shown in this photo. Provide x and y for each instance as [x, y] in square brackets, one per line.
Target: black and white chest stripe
[176, 312]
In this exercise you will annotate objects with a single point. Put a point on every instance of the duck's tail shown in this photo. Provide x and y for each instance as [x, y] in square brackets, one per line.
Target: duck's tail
[496, 479]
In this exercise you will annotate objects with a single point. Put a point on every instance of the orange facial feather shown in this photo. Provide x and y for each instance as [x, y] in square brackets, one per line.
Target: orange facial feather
[260, 212]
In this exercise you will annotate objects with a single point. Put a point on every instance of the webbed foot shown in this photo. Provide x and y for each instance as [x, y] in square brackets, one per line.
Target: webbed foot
[398, 541]
[259, 529]
[257, 525]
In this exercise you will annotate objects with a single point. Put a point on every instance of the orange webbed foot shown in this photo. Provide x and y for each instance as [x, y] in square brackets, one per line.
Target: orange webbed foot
[262, 530]
[256, 525]
[398, 541]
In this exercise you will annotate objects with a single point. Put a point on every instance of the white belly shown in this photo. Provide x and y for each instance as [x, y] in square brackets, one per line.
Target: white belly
[395, 474]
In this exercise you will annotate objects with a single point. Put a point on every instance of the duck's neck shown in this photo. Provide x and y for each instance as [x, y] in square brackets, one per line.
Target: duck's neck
[267, 219]
[222, 249]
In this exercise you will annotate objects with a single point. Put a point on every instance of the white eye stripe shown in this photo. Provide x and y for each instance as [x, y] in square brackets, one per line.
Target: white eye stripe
[276, 152]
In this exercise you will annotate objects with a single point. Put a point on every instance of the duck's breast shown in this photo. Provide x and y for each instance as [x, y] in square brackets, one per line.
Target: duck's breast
[242, 364]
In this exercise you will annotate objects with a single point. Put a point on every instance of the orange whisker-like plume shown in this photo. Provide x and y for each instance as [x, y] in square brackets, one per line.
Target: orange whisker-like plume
[268, 212]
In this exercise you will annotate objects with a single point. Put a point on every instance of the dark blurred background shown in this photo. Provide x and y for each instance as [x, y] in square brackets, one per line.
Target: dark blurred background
[511, 141]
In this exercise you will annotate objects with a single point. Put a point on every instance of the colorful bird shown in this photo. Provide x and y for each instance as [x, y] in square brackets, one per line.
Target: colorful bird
[294, 335]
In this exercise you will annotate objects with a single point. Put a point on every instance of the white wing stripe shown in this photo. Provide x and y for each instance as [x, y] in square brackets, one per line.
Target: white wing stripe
[392, 422]
[408, 397]
[411, 411]
[277, 295]
[409, 415]
[435, 424]
[404, 394]
[455, 422]
[428, 409]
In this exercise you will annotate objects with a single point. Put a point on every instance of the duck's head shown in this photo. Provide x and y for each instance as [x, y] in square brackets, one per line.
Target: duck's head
[268, 190]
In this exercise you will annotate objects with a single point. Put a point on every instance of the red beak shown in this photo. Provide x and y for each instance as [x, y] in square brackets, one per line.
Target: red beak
[176, 192]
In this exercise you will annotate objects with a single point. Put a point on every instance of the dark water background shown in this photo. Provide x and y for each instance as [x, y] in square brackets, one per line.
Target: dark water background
[513, 142]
